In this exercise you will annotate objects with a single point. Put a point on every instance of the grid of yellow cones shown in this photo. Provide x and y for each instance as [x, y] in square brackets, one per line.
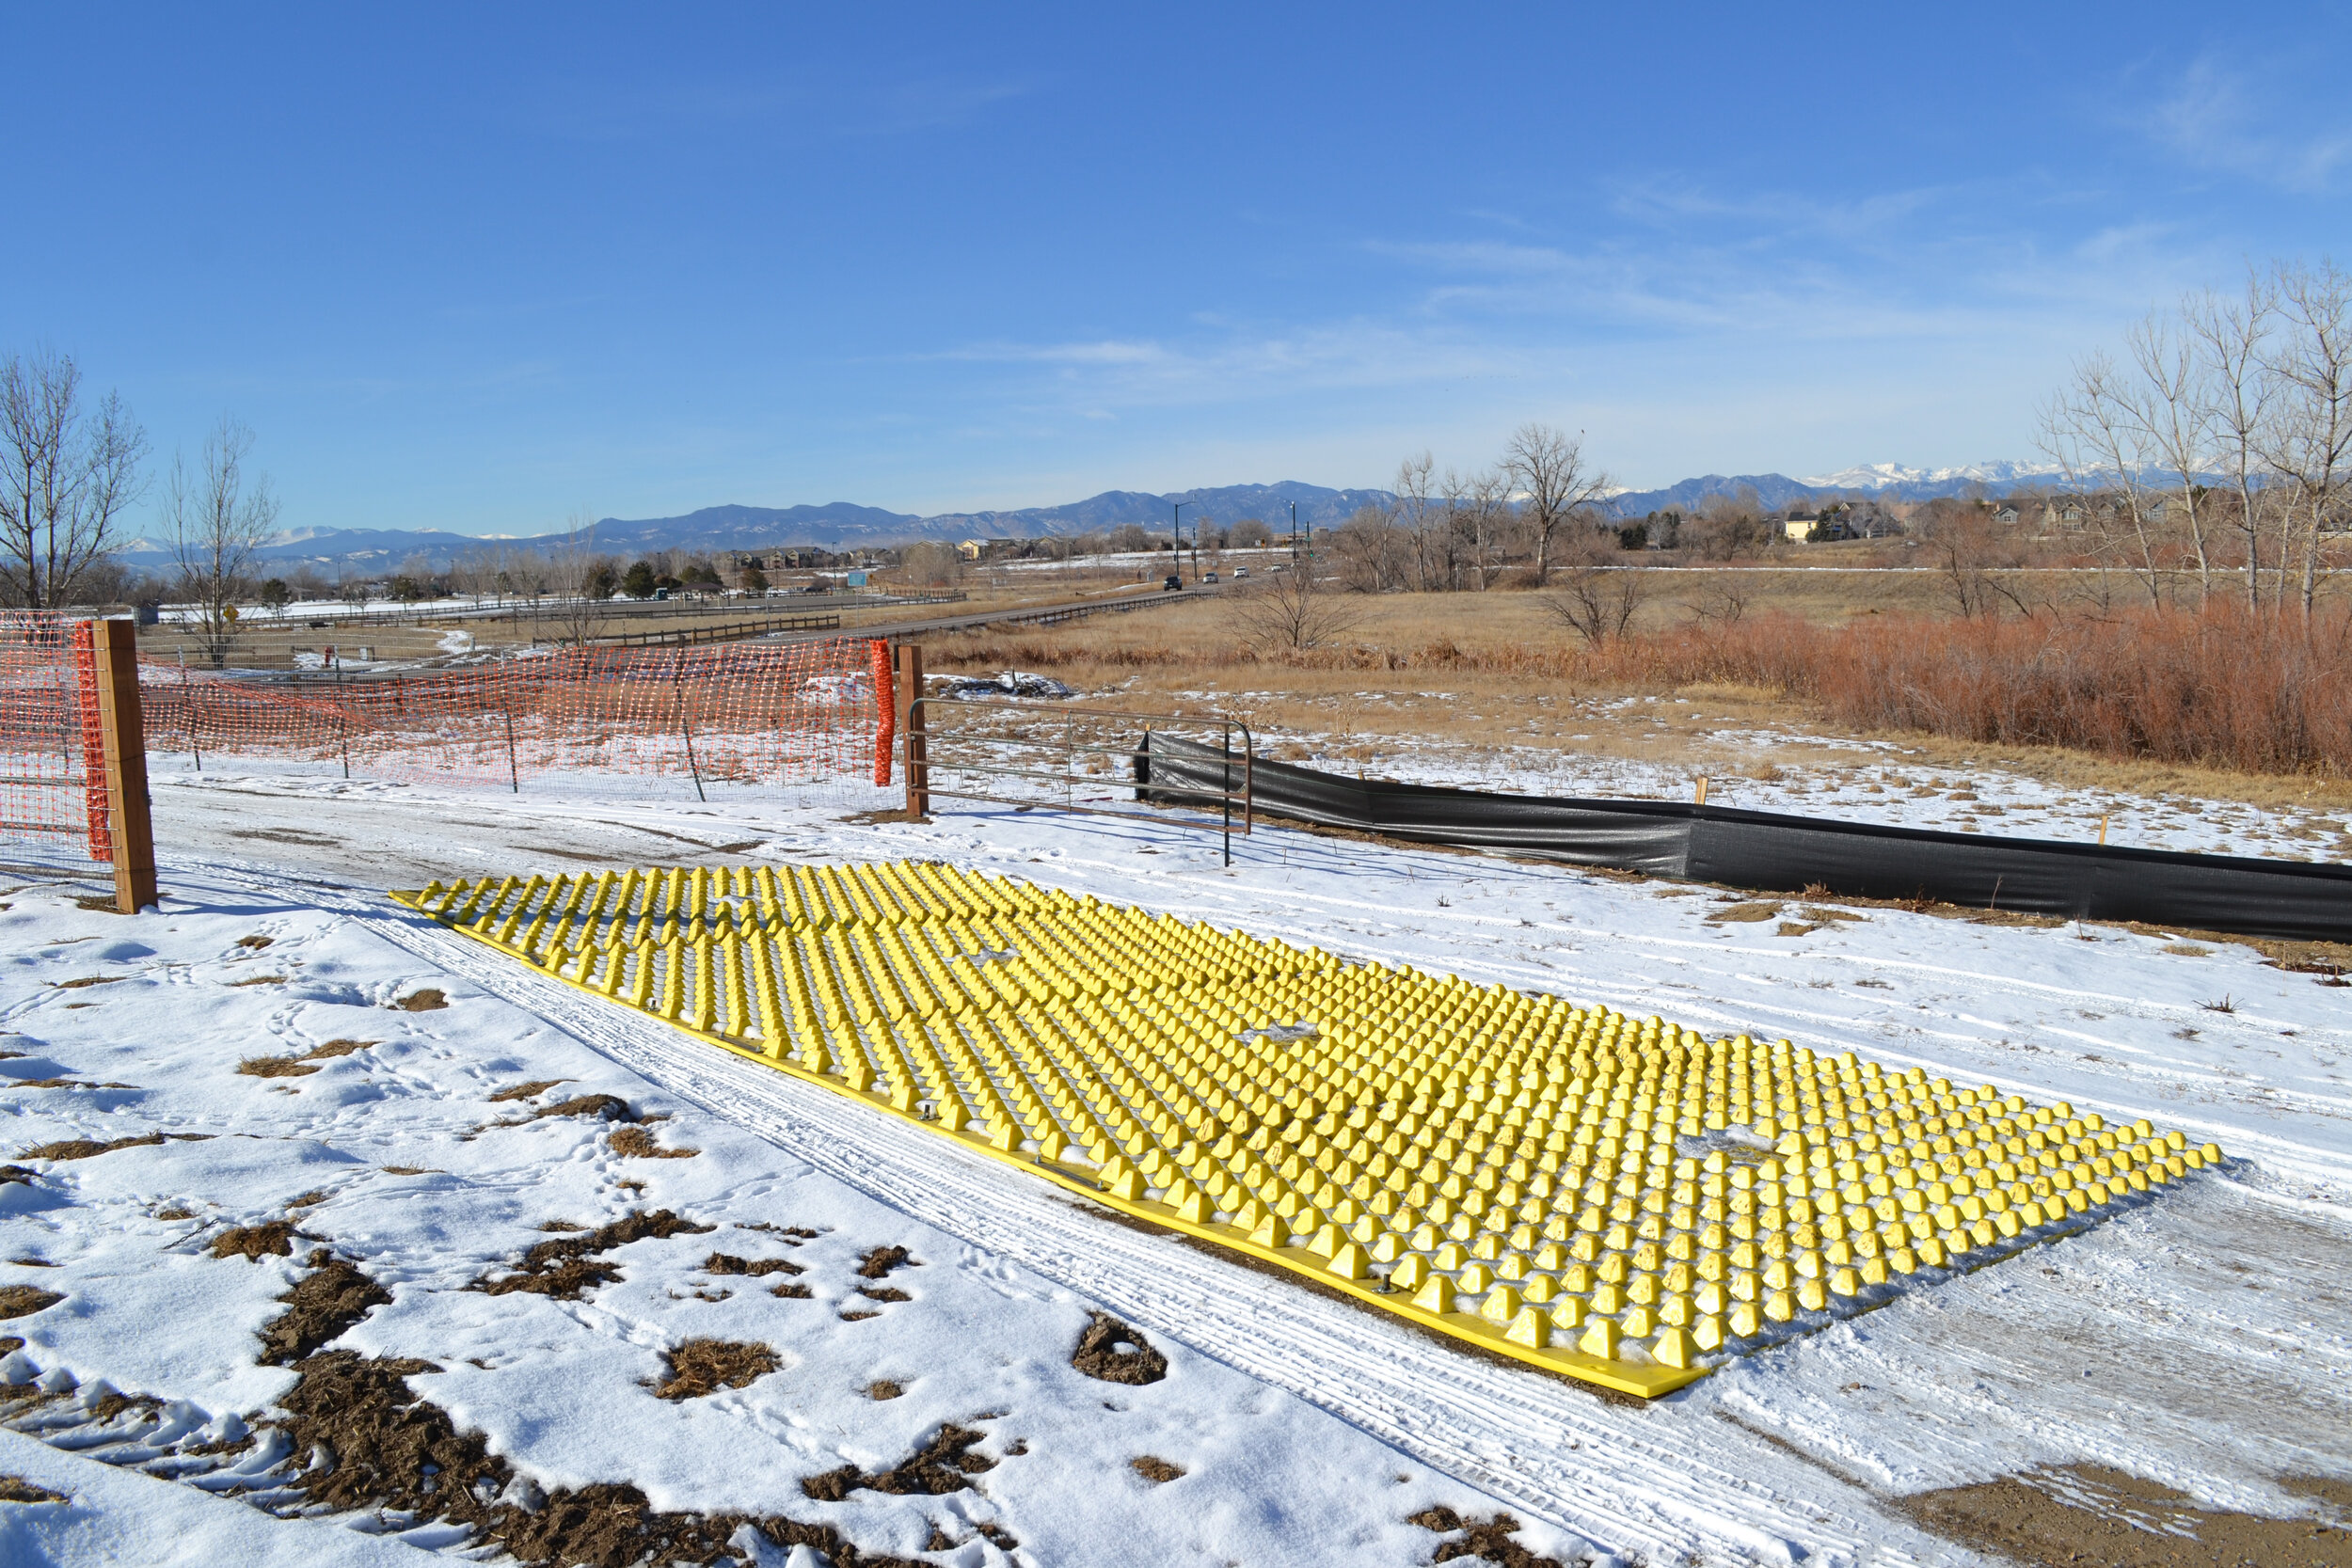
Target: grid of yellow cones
[1617, 1200]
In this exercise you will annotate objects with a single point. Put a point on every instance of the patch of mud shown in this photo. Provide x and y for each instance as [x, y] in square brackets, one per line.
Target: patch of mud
[727, 1263]
[16, 1489]
[1158, 1471]
[525, 1091]
[790, 1292]
[1110, 1352]
[944, 1464]
[603, 1107]
[22, 1174]
[1489, 1539]
[428, 1000]
[255, 944]
[882, 1292]
[635, 1142]
[882, 1389]
[700, 1367]
[23, 1301]
[2087, 1514]
[326, 1302]
[878, 1263]
[274, 1237]
[395, 1452]
[567, 1266]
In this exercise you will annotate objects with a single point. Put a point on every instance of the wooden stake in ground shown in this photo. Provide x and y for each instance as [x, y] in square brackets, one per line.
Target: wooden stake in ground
[911, 727]
[115, 643]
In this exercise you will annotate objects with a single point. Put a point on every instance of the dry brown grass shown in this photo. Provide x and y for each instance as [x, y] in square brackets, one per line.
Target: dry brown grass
[1475, 670]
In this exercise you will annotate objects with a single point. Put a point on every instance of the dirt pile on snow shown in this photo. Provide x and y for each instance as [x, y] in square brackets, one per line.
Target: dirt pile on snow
[1111, 1352]
[274, 1237]
[327, 1300]
[944, 1464]
[565, 1267]
[1490, 1540]
[703, 1366]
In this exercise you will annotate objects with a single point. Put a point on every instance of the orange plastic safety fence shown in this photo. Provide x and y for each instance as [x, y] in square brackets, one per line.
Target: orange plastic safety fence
[746, 713]
[52, 755]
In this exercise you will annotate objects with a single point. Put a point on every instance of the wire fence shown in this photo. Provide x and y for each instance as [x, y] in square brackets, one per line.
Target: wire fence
[736, 714]
[52, 749]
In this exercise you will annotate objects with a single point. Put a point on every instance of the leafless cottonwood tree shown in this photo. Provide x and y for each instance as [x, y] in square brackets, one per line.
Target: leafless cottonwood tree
[217, 518]
[2098, 432]
[2308, 443]
[71, 471]
[2253, 390]
[1478, 508]
[1557, 488]
[1285, 612]
[571, 569]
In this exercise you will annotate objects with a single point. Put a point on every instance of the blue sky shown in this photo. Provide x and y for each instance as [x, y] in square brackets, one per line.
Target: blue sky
[479, 268]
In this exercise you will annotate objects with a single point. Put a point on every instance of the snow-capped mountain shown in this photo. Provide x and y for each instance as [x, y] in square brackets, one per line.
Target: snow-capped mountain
[1880, 476]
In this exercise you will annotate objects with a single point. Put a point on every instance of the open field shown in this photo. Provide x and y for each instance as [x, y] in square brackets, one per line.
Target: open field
[316, 1097]
[1468, 688]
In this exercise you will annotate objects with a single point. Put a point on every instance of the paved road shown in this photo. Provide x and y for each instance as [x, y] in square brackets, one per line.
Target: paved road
[1036, 614]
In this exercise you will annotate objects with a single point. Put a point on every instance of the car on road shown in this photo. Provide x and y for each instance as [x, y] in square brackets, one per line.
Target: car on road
[1209, 577]
[1172, 584]
[1240, 572]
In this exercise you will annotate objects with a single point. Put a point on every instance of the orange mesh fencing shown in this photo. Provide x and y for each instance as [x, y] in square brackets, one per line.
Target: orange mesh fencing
[741, 712]
[53, 770]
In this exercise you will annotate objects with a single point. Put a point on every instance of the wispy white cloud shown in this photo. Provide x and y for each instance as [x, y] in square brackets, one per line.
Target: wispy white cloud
[2218, 118]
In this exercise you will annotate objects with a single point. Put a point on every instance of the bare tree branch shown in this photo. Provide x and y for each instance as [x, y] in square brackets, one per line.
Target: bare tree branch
[70, 473]
[1555, 486]
[217, 520]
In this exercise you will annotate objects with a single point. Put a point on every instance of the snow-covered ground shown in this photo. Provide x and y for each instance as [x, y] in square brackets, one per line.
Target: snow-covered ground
[2204, 1341]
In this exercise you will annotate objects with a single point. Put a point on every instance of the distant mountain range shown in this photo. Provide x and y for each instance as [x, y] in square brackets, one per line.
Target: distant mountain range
[846, 526]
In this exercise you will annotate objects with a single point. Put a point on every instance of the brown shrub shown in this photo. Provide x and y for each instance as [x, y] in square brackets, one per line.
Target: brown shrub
[2218, 687]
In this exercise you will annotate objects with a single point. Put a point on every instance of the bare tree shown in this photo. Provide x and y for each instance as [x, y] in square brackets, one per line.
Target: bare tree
[1477, 509]
[2310, 436]
[69, 474]
[2176, 406]
[1598, 603]
[217, 520]
[1291, 609]
[2231, 336]
[1970, 549]
[573, 573]
[1422, 518]
[1556, 486]
[1369, 550]
[2096, 433]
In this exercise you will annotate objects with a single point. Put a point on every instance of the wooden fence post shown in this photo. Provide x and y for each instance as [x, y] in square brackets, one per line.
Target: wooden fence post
[115, 643]
[911, 727]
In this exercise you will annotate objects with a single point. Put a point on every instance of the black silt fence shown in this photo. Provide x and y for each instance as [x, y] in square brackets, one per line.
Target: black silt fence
[1769, 852]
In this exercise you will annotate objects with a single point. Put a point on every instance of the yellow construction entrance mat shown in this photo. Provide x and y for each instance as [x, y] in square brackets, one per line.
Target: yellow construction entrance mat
[1616, 1200]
